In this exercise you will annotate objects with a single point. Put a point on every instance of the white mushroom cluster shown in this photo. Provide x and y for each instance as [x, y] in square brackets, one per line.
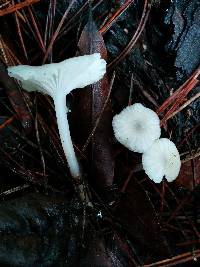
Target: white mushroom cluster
[138, 129]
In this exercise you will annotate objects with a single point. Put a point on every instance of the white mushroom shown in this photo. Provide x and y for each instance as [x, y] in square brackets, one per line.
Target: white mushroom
[136, 127]
[162, 159]
[58, 80]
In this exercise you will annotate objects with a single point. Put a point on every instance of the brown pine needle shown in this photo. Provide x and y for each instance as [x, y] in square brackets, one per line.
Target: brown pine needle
[182, 258]
[14, 8]
[134, 39]
[196, 155]
[187, 86]
[57, 31]
[188, 102]
[115, 16]
[7, 122]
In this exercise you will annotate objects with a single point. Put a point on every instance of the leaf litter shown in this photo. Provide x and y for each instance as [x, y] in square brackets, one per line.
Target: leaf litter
[152, 49]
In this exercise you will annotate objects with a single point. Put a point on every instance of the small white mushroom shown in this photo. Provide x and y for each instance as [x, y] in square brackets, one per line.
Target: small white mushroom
[162, 159]
[58, 80]
[136, 127]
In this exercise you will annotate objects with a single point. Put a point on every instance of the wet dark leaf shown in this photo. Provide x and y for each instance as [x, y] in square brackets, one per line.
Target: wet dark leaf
[100, 256]
[16, 98]
[38, 230]
[91, 103]
[189, 176]
[185, 18]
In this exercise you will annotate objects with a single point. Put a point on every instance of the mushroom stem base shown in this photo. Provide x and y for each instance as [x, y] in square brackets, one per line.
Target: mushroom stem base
[63, 127]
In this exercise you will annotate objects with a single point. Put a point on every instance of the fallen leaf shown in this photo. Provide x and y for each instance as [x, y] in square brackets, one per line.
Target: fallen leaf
[16, 98]
[186, 178]
[91, 103]
[37, 230]
[99, 255]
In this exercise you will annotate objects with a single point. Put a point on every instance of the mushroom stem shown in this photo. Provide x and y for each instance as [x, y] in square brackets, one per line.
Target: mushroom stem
[63, 127]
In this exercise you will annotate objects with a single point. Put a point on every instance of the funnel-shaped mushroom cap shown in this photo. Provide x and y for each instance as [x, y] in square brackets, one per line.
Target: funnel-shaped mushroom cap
[60, 78]
[162, 159]
[136, 127]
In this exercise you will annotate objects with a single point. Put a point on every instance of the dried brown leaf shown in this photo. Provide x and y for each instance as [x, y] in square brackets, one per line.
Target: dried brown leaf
[189, 176]
[15, 98]
[92, 104]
